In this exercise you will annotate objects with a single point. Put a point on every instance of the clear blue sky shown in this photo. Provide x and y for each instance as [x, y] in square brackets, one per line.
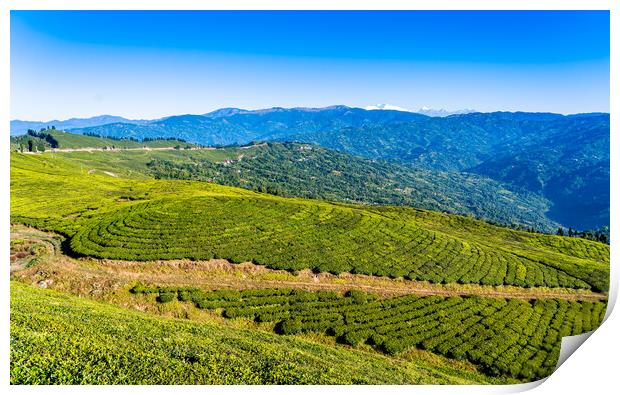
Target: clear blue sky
[150, 64]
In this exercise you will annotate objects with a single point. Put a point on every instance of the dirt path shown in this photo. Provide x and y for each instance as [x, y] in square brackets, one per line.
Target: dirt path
[86, 275]
[90, 149]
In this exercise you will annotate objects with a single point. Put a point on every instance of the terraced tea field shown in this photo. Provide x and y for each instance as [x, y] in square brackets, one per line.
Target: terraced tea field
[150, 220]
[507, 337]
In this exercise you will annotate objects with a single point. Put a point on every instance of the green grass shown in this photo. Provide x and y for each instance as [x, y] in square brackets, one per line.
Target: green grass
[62, 339]
[133, 164]
[508, 337]
[301, 170]
[117, 218]
[75, 141]
[72, 140]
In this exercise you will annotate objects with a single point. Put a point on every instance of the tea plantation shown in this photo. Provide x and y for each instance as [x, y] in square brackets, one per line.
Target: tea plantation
[110, 209]
[115, 218]
[505, 337]
[62, 339]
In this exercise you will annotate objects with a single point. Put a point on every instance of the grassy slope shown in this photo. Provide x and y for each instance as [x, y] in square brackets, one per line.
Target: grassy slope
[57, 338]
[133, 164]
[71, 140]
[57, 193]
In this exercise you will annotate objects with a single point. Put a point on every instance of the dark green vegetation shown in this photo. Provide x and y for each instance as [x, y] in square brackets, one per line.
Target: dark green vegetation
[504, 337]
[120, 218]
[570, 167]
[62, 339]
[309, 171]
[563, 158]
[234, 126]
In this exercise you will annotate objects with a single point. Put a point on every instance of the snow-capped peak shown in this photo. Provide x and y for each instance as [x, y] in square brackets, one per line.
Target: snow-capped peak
[387, 107]
[441, 112]
[424, 110]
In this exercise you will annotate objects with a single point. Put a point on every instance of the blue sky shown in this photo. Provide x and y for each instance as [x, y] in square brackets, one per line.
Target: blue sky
[147, 64]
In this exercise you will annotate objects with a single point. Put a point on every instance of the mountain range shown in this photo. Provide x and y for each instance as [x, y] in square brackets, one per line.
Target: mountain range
[19, 127]
[563, 158]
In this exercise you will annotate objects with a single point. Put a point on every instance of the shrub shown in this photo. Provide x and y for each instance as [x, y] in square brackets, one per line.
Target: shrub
[166, 297]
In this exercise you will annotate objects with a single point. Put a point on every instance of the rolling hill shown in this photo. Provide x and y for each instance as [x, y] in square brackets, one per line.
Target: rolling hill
[303, 170]
[118, 218]
[111, 225]
[531, 151]
[61, 140]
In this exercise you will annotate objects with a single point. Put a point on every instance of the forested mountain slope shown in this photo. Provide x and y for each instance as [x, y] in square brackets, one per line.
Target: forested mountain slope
[241, 127]
[304, 170]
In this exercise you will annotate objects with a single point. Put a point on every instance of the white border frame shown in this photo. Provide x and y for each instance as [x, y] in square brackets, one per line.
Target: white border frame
[592, 369]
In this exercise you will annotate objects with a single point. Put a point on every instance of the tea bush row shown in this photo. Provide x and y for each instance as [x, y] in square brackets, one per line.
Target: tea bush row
[284, 234]
[509, 337]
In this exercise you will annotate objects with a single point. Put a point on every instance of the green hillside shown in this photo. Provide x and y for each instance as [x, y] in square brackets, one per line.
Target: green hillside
[563, 159]
[310, 171]
[117, 218]
[71, 140]
[521, 339]
[61, 339]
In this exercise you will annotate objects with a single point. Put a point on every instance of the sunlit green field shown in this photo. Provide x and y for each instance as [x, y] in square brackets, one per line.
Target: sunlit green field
[108, 207]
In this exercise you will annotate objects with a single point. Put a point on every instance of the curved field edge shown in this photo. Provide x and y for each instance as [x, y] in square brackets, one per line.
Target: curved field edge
[135, 220]
[62, 339]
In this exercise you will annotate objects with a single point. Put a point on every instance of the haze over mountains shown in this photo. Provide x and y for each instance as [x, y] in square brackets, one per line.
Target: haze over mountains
[564, 159]
[431, 112]
[21, 126]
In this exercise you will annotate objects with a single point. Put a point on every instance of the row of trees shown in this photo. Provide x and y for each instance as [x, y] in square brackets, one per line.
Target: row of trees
[146, 139]
[600, 235]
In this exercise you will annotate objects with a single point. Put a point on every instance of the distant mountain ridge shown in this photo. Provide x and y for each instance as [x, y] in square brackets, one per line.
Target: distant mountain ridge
[21, 127]
[237, 126]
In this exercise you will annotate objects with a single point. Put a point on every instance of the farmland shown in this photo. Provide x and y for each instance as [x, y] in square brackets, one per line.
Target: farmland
[512, 337]
[61, 339]
[387, 294]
